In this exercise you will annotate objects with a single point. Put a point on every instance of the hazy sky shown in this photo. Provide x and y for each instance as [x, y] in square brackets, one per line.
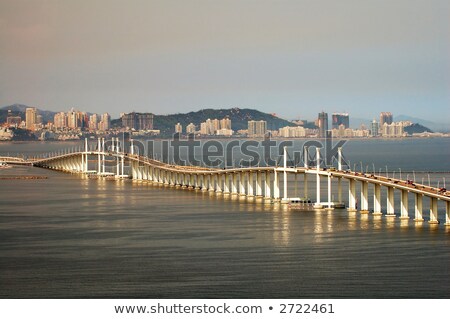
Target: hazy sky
[294, 57]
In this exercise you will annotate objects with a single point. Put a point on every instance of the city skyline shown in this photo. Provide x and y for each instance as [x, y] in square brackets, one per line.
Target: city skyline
[296, 58]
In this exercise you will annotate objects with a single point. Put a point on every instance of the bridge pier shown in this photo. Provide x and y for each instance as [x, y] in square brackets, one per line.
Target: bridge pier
[352, 195]
[250, 192]
[404, 205]
[433, 211]
[259, 184]
[418, 217]
[364, 197]
[329, 191]
[377, 200]
[276, 186]
[195, 180]
[447, 213]
[339, 179]
[390, 202]
[218, 180]
[211, 186]
[226, 184]
[305, 186]
[242, 184]
[267, 186]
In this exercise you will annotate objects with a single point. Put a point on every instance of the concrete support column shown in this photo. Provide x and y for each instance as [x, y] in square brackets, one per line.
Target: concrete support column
[151, 173]
[317, 177]
[197, 181]
[447, 213]
[99, 149]
[258, 183]
[276, 186]
[377, 199]
[174, 178]
[352, 195]
[133, 170]
[226, 184]
[234, 183]
[285, 178]
[364, 197]
[103, 155]
[404, 205]
[305, 186]
[166, 177]
[218, 178]
[139, 171]
[200, 181]
[267, 190]
[329, 191]
[339, 189]
[147, 172]
[211, 181]
[433, 211]
[305, 154]
[250, 191]
[204, 183]
[317, 188]
[418, 212]
[86, 149]
[390, 202]
[242, 184]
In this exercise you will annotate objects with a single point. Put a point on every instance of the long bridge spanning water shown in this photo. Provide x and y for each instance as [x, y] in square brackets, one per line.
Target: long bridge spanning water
[259, 182]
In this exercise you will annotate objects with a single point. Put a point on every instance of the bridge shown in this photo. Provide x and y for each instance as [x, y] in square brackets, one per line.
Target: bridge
[258, 182]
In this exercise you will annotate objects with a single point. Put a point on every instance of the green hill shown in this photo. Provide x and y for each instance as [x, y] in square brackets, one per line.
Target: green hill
[238, 117]
[416, 128]
[19, 110]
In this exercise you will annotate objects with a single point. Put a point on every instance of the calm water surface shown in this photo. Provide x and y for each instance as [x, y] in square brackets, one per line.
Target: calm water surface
[67, 236]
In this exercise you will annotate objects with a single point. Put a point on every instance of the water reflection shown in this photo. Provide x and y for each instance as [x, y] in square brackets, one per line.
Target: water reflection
[352, 220]
[281, 227]
[364, 221]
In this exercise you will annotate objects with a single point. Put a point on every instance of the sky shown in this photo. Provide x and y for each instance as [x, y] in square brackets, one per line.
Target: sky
[294, 58]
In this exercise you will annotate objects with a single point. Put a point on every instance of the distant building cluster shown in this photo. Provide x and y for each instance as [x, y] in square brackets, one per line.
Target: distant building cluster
[137, 121]
[338, 119]
[74, 124]
[257, 128]
[81, 120]
[292, 131]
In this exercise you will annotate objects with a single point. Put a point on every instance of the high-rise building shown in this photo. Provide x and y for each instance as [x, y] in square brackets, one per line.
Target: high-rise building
[386, 117]
[105, 122]
[178, 128]
[60, 120]
[72, 119]
[215, 126]
[323, 124]
[138, 121]
[338, 119]
[225, 123]
[257, 128]
[292, 131]
[374, 128]
[203, 128]
[13, 120]
[30, 118]
[190, 129]
[93, 122]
